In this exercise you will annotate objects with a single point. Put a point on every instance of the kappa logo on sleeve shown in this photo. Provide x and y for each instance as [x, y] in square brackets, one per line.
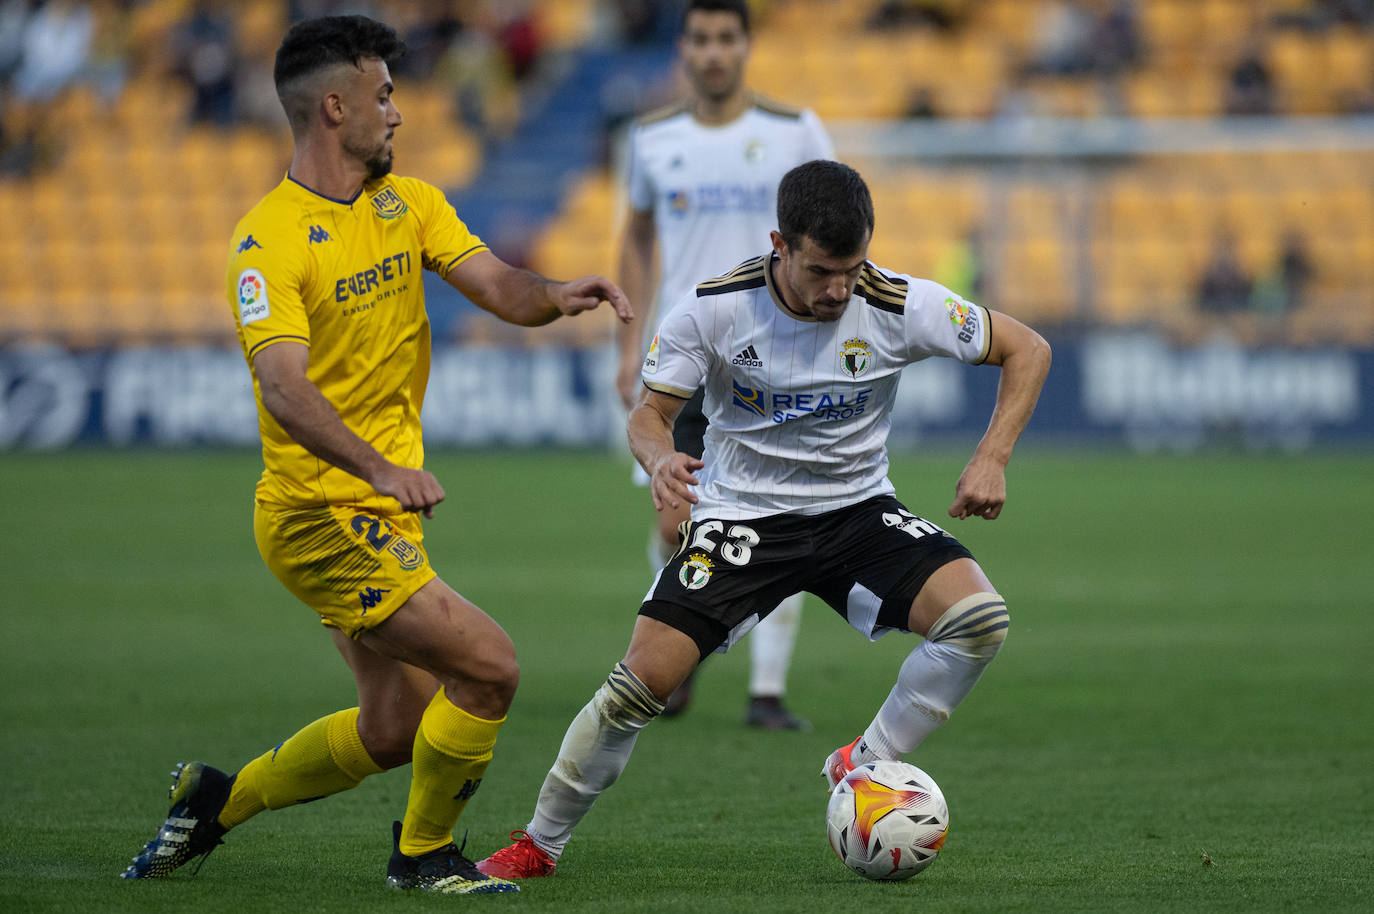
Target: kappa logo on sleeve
[252, 297]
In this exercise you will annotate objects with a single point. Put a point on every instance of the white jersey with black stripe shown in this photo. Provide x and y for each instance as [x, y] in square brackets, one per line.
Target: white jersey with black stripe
[800, 409]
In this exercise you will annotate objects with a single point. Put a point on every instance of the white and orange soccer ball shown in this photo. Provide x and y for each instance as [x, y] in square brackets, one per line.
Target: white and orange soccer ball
[887, 820]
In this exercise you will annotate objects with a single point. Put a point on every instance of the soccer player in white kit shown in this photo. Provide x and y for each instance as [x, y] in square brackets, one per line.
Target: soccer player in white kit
[793, 489]
[702, 188]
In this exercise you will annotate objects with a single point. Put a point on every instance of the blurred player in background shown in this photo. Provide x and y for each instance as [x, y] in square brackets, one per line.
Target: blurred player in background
[325, 283]
[703, 187]
[793, 489]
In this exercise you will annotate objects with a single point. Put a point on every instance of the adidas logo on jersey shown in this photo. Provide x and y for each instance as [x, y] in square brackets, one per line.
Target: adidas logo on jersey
[749, 358]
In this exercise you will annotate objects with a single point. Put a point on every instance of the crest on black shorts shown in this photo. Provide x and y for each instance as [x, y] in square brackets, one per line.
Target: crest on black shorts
[695, 573]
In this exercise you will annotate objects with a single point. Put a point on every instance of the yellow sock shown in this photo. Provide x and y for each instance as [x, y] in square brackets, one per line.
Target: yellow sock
[452, 750]
[325, 757]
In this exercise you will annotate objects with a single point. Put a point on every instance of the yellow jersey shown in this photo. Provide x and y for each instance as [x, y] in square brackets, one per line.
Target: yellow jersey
[343, 278]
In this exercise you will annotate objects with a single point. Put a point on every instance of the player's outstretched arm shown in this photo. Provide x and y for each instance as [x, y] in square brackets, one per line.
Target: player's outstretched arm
[650, 430]
[312, 422]
[528, 299]
[1025, 360]
[636, 265]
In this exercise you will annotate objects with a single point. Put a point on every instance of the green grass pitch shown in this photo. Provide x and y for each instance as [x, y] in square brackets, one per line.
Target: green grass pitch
[1182, 719]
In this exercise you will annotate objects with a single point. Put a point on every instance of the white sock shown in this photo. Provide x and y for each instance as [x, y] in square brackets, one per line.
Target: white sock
[595, 751]
[936, 676]
[770, 648]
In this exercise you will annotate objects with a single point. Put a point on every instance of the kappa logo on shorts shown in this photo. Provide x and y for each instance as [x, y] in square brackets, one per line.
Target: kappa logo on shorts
[407, 553]
[371, 596]
[696, 571]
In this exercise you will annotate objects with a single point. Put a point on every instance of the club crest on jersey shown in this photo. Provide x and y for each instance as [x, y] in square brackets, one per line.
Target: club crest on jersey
[651, 360]
[696, 571]
[252, 297]
[388, 203]
[753, 151]
[856, 356]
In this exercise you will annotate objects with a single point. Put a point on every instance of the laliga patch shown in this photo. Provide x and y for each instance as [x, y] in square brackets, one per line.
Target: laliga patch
[651, 360]
[696, 571]
[963, 316]
[252, 297]
[958, 311]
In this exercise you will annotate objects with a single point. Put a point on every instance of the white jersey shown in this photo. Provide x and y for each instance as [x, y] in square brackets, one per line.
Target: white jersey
[713, 190]
[799, 409]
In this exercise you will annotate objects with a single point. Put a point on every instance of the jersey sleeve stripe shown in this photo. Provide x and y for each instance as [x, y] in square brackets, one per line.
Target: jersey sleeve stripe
[987, 336]
[262, 344]
[461, 257]
[671, 391]
[748, 275]
[880, 291]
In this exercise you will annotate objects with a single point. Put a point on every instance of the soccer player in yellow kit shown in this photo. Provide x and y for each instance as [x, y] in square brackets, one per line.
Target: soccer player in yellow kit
[324, 280]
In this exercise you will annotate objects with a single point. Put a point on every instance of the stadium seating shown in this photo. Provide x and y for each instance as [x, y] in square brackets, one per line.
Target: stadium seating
[125, 236]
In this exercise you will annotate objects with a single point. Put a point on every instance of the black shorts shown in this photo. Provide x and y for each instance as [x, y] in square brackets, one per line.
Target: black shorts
[689, 429]
[868, 561]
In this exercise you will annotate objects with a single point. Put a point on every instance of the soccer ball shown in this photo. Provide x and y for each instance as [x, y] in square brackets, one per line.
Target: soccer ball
[887, 820]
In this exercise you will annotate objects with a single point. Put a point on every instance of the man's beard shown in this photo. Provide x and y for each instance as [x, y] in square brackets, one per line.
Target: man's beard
[378, 166]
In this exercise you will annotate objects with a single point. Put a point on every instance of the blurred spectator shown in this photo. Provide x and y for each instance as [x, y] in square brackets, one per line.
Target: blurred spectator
[1116, 38]
[1283, 288]
[206, 57]
[53, 47]
[47, 53]
[940, 15]
[476, 69]
[1250, 89]
[920, 103]
[14, 14]
[107, 64]
[638, 20]
[434, 28]
[1224, 287]
[520, 38]
[1062, 43]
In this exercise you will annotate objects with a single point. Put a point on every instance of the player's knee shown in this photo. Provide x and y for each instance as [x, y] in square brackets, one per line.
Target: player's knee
[976, 626]
[624, 702]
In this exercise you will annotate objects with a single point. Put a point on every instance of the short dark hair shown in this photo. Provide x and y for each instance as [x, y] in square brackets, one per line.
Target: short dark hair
[316, 44]
[827, 202]
[739, 7]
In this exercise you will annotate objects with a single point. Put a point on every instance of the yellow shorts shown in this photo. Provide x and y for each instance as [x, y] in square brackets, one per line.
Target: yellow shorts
[353, 567]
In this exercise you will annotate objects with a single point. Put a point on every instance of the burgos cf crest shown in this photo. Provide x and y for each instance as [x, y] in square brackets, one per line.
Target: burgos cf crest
[696, 571]
[388, 203]
[856, 356]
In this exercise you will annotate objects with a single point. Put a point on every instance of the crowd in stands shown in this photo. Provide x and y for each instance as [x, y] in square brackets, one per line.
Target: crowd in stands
[88, 86]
